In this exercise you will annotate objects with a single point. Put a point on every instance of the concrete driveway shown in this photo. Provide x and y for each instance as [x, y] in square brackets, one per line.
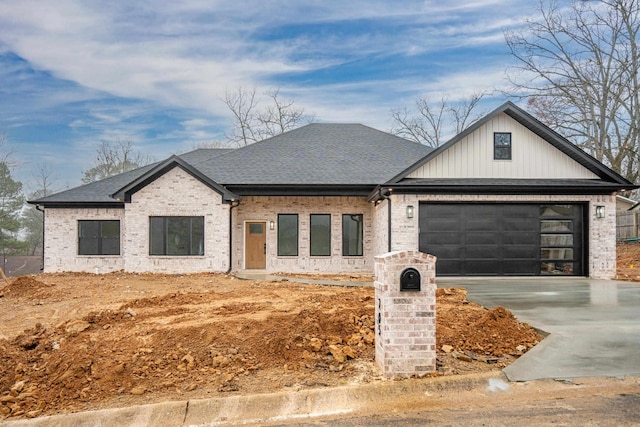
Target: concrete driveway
[594, 325]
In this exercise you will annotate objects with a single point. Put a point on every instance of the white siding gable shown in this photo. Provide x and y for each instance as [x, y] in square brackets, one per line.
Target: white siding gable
[531, 157]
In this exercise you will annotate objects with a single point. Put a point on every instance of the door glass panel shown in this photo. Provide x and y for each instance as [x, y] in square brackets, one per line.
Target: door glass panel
[556, 240]
[556, 268]
[560, 226]
[557, 253]
[556, 210]
[255, 228]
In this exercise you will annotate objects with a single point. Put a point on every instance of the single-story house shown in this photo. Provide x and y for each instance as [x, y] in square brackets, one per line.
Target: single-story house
[507, 196]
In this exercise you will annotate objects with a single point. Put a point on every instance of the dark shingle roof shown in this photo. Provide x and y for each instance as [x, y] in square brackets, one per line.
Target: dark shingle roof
[315, 155]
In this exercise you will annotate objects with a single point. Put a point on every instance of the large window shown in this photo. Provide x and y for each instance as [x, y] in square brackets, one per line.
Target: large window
[287, 235]
[176, 235]
[352, 235]
[320, 238]
[99, 237]
[501, 146]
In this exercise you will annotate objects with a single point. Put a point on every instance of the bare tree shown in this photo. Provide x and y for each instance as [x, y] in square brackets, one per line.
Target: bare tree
[115, 157]
[253, 122]
[434, 121]
[32, 221]
[281, 115]
[243, 105]
[580, 68]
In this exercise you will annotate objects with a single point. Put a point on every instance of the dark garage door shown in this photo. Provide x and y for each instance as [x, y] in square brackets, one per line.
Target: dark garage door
[503, 239]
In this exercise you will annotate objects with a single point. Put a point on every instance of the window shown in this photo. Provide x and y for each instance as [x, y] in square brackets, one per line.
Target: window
[352, 235]
[501, 146]
[320, 235]
[99, 237]
[176, 235]
[287, 235]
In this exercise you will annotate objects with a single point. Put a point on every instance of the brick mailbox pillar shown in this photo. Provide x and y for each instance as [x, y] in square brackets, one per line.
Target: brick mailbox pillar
[405, 283]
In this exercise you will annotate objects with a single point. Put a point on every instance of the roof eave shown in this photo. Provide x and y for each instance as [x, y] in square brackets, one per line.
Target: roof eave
[124, 194]
[78, 204]
[358, 190]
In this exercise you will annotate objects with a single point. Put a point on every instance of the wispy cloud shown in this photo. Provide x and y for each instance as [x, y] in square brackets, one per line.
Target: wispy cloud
[156, 71]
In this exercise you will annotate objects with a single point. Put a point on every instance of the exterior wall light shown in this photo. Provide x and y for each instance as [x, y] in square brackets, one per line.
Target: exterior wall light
[599, 211]
[272, 225]
[410, 211]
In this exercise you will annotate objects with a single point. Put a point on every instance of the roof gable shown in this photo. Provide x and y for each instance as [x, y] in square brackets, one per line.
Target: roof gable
[124, 193]
[569, 161]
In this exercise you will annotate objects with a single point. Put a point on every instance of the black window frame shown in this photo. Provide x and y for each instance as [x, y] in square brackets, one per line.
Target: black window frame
[504, 151]
[166, 222]
[283, 233]
[101, 242]
[346, 238]
[313, 236]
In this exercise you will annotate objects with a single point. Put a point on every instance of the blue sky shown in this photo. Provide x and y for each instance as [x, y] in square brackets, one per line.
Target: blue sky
[73, 72]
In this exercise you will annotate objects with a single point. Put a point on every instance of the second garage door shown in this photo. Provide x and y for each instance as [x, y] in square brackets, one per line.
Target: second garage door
[503, 239]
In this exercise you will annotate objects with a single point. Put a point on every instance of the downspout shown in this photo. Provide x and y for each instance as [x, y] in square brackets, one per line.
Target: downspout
[385, 194]
[42, 256]
[232, 204]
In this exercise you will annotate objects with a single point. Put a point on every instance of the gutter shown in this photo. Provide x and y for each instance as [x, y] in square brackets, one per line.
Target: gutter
[232, 204]
[384, 194]
[42, 256]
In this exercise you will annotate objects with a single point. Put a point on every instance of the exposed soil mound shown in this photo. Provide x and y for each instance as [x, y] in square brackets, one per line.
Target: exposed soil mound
[495, 332]
[124, 339]
[26, 287]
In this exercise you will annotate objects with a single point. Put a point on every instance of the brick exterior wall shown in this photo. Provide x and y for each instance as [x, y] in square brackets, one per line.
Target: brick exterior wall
[179, 194]
[601, 232]
[176, 193]
[405, 320]
[267, 209]
[61, 241]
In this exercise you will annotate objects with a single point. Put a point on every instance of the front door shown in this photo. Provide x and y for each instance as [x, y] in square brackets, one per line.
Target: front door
[255, 245]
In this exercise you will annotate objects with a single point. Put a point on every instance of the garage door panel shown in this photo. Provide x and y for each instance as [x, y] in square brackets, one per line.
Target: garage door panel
[482, 267]
[450, 251]
[445, 238]
[481, 224]
[520, 252]
[448, 267]
[520, 224]
[482, 251]
[520, 238]
[503, 239]
[478, 238]
[517, 266]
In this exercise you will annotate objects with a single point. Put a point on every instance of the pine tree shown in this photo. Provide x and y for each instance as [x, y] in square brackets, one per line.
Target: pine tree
[11, 203]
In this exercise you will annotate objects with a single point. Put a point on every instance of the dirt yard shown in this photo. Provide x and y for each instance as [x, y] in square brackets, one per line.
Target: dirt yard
[73, 342]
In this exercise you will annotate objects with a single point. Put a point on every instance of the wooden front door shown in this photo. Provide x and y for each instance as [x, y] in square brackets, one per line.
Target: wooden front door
[255, 245]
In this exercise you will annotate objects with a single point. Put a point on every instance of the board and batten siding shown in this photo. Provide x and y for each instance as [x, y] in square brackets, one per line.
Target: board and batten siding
[531, 157]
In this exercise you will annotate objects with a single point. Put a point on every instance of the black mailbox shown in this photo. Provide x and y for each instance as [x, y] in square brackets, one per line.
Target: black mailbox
[410, 280]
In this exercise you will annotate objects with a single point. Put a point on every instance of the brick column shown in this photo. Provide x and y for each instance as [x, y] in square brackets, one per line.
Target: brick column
[405, 320]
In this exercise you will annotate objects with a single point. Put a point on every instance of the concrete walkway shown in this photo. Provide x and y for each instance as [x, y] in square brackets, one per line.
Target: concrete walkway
[594, 325]
[249, 275]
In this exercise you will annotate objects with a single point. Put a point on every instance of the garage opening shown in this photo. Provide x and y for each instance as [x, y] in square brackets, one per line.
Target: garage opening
[496, 239]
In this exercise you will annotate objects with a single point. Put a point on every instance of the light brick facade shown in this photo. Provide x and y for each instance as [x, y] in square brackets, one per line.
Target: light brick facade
[61, 241]
[266, 209]
[405, 320]
[601, 232]
[177, 193]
